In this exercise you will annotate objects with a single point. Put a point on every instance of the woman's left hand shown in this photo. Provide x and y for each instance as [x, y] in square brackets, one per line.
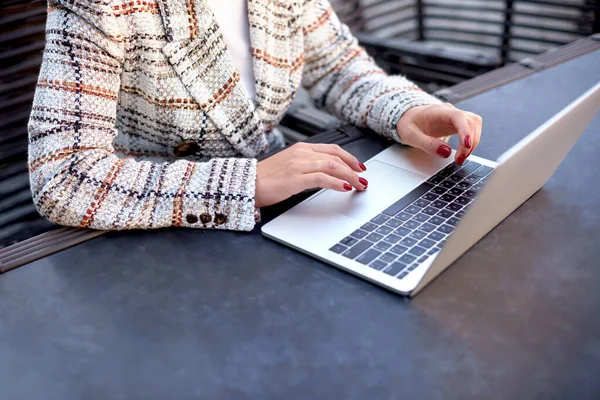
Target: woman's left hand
[423, 126]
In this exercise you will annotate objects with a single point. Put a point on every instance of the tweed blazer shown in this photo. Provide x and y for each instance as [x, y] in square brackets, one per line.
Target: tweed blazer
[140, 119]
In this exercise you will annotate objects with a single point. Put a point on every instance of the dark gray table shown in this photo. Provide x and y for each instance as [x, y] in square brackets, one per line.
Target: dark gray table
[179, 314]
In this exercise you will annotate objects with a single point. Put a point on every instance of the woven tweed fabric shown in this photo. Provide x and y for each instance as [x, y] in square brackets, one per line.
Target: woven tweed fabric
[140, 119]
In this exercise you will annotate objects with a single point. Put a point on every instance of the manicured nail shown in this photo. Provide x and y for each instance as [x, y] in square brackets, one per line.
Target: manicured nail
[461, 159]
[363, 182]
[444, 151]
[347, 186]
[362, 166]
[468, 142]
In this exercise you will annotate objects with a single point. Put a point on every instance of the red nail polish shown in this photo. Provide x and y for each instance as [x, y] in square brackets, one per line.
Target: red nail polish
[347, 186]
[363, 182]
[362, 166]
[444, 151]
[461, 159]
[468, 142]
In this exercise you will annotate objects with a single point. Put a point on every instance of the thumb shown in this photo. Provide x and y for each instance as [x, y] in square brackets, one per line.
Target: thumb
[419, 139]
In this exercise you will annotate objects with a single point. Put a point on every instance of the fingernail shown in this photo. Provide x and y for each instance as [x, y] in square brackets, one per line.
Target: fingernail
[363, 182]
[468, 142]
[461, 159]
[347, 186]
[444, 151]
[362, 166]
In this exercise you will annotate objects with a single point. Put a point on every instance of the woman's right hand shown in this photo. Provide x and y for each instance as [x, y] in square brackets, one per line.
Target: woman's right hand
[306, 166]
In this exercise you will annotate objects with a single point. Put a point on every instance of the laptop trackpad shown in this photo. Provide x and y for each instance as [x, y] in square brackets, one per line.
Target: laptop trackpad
[386, 184]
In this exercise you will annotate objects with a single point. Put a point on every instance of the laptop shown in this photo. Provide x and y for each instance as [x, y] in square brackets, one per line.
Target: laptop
[421, 212]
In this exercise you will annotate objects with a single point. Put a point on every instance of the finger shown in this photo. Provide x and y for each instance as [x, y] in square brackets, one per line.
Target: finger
[335, 150]
[415, 137]
[332, 166]
[322, 180]
[464, 129]
[478, 122]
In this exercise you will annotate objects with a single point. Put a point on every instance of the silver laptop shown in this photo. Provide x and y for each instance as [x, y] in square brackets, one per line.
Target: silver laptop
[421, 212]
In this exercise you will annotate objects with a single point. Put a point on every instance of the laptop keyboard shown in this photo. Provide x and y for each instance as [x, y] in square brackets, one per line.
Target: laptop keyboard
[406, 233]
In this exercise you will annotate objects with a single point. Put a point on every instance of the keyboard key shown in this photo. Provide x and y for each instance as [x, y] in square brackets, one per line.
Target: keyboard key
[445, 213]
[407, 259]
[382, 246]
[393, 223]
[394, 269]
[447, 184]
[402, 275]
[429, 196]
[477, 187]
[463, 201]
[369, 227]
[384, 230]
[436, 220]
[398, 249]
[417, 235]
[422, 259]
[402, 231]
[404, 216]
[412, 267]
[458, 215]
[391, 238]
[438, 190]
[338, 248]
[463, 185]
[378, 265]
[430, 210]
[455, 178]
[453, 207]
[421, 217]
[435, 179]
[412, 224]
[468, 168]
[447, 229]
[374, 237]
[453, 221]
[407, 199]
[368, 256]
[388, 257]
[472, 179]
[412, 209]
[470, 194]
[456, 191]
[359, 234]
[482, 171]
[380, 219]
[437, 236]
[427, 243]
[417, 251]
[447, 197]
[439, 204]
[408, 241]
[427, 227]
[421, 203]
[348, 241]
[433, 251]
[358, 248]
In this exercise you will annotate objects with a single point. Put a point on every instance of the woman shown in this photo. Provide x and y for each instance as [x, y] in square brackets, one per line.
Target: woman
[149, 113]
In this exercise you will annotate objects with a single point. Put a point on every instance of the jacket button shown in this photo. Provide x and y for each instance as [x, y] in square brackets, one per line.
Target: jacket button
[205, 218]
[191, 219]
[220, 219]
[186, 149]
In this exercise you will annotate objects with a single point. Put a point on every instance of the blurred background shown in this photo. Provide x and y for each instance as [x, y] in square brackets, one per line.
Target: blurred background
[437, 43]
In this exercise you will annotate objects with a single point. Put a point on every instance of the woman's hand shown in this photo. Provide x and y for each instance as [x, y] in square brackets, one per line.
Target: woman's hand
[306, 166]
[422, 126]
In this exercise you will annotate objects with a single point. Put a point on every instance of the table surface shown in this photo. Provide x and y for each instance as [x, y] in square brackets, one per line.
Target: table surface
[188, 313]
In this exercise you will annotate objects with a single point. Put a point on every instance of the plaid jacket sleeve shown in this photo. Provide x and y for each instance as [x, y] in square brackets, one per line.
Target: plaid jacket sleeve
[341, 77]
[76, 177]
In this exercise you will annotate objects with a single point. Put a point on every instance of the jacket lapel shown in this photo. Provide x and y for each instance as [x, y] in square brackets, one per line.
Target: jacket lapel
[197, 51]
[277, 48]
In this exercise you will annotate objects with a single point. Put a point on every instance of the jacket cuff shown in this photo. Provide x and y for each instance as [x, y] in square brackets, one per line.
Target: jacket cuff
[389, 109]
[220, 196]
